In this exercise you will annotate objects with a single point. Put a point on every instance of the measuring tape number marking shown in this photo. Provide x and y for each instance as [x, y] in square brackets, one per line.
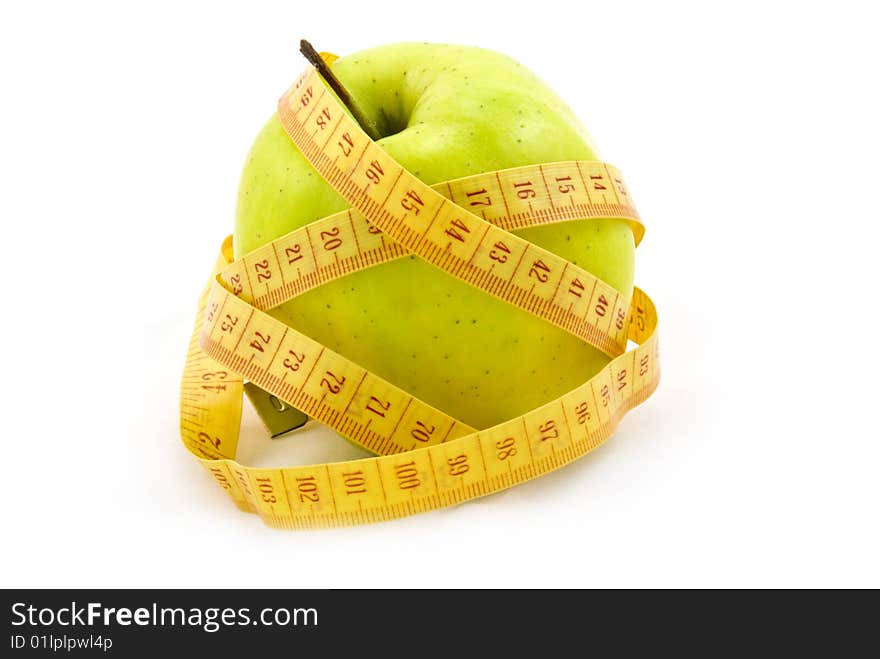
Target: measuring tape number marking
[425, 458]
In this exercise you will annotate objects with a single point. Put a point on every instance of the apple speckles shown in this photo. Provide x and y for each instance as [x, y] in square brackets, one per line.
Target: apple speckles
[476, 353]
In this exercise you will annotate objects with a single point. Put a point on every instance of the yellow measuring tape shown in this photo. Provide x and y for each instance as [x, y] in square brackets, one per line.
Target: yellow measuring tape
[427, 459]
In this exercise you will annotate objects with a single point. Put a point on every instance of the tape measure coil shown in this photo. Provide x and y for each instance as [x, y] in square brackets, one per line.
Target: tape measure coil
[416, 470]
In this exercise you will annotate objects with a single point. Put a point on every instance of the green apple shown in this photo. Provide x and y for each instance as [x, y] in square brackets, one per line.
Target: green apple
[444, 112]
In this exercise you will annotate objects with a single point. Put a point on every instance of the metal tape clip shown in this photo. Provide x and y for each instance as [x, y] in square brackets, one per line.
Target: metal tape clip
[278, 417]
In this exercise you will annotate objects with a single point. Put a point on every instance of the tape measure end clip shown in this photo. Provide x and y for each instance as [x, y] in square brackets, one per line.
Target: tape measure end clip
[278, 416]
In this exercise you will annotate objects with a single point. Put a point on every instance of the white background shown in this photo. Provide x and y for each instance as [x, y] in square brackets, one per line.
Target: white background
[749, 136]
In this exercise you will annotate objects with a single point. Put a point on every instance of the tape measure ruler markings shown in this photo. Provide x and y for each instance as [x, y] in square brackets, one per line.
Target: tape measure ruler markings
[470, 466]
[453, 470]
[442, 233]
[347, 242]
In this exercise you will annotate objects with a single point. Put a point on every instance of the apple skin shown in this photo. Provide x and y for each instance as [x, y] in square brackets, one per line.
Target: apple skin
[448, 111]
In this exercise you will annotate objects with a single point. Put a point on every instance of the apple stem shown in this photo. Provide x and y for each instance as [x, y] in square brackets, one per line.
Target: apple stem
[318, 62]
